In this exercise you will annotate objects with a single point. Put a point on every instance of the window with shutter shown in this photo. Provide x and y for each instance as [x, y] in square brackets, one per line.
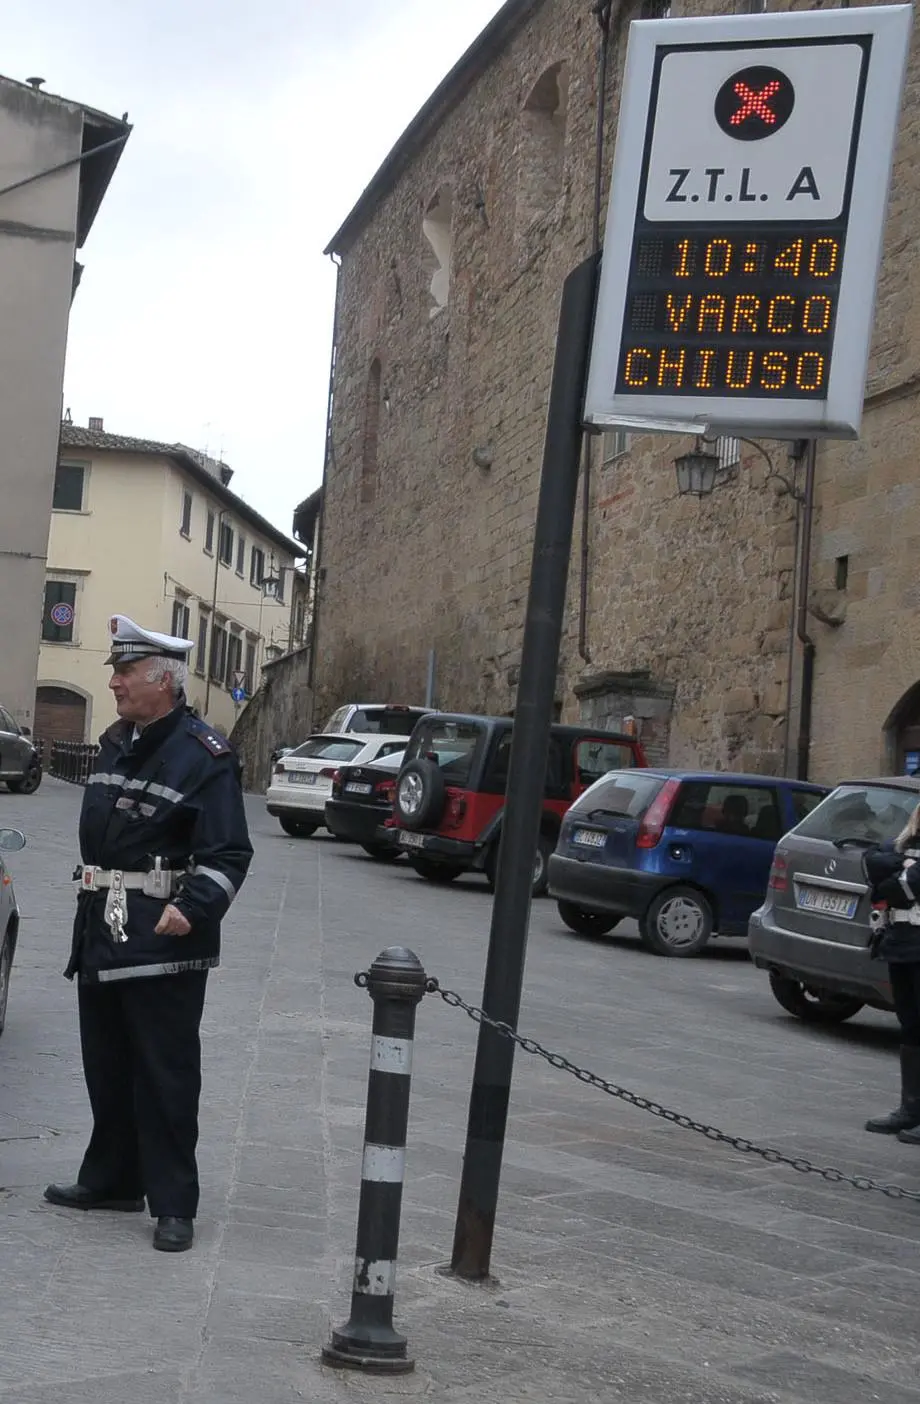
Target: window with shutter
[60, 610]
[68, 487]
[201, 653]
[180, 619]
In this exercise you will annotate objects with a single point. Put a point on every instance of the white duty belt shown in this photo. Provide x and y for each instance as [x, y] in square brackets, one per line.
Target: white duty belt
[910, 915]
[160, 883]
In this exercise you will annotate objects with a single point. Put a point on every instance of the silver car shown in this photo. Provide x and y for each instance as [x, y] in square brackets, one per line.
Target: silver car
[812, 932]
[20, 766]
[11, 841]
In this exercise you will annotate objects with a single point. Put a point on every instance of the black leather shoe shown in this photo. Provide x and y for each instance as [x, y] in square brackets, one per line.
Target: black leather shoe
[173, 1235]
[79, 1197]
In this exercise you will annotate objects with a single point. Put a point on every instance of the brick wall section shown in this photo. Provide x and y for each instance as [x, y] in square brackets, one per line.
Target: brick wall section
[696, 596]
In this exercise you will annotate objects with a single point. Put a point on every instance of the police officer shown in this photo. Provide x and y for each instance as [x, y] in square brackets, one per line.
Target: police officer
[165, 849]
[893, 871]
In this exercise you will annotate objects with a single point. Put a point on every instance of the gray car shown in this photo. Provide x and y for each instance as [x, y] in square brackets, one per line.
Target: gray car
[812, 932]
[11, 840]
[20, 765]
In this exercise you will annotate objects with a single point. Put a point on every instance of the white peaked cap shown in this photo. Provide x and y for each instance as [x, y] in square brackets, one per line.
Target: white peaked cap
[130, 641]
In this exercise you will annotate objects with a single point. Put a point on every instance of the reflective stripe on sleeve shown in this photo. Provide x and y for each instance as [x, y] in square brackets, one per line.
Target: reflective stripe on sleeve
[223, 882]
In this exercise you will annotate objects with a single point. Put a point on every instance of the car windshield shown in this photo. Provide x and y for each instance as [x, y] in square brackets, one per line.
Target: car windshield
[863, 813]
[386, 721]
[626, 792]
[450, 744]
[334, 748]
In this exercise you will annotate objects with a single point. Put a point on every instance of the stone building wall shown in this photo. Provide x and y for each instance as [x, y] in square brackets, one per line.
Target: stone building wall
[278, 715]
[428, 520]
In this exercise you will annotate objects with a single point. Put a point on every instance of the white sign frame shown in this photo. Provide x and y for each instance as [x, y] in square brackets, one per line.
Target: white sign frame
[839, 414]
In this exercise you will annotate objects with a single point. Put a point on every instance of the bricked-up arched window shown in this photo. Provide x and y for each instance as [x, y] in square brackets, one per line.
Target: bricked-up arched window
[436, 227]
[543, 144]
[371, 433]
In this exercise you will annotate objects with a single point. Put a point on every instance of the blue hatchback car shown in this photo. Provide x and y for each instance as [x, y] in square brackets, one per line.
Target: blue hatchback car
[685, 852]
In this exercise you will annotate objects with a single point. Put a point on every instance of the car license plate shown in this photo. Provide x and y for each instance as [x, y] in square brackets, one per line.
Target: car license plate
[816, 899]
[407, 840]
[589, 838]
[303, 777]
[355, 789]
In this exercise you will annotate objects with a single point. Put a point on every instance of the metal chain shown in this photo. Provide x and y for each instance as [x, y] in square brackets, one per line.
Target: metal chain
[712, 1133]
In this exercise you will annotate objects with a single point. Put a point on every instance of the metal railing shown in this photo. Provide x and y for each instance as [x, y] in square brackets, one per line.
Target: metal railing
[68, 760]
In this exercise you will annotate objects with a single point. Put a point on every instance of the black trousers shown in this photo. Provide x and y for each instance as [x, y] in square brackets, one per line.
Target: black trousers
[905, 990]
[142, 1064]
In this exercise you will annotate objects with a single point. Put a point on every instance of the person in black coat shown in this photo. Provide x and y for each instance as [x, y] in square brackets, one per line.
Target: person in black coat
[165, 849]
[893, 872]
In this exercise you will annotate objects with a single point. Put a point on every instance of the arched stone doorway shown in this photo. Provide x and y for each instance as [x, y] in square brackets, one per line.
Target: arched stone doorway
[60, 714]
[902, 734]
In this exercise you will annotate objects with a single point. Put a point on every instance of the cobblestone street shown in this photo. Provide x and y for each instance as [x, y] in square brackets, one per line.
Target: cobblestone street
[634, 1261]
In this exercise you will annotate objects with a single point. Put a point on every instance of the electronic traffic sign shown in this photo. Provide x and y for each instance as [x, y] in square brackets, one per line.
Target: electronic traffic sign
[746, 215]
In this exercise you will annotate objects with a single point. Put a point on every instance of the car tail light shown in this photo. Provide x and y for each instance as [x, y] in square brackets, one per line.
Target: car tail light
[279, 769]
[456, 809]
[652, 826]
[386, 789]
[779, 873]
[330, 772]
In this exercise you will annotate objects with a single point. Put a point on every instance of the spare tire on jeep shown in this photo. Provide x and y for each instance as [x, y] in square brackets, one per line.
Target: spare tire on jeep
[420, 794]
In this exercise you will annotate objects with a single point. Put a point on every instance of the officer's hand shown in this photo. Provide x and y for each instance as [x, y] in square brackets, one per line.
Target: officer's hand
[172, 923]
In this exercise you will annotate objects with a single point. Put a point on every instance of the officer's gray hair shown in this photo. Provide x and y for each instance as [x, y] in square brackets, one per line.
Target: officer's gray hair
[172, 668]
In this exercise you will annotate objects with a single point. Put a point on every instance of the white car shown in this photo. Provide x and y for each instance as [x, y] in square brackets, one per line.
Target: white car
[373, 717]
[302, 780]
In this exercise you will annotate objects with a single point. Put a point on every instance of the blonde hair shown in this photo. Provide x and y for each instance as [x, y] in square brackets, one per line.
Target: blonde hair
[910, 831]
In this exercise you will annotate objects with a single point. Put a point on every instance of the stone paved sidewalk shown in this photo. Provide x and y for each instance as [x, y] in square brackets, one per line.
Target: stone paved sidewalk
[634, 1262]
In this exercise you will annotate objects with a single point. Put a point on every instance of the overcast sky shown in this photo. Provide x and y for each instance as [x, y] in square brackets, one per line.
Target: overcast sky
[205, 311]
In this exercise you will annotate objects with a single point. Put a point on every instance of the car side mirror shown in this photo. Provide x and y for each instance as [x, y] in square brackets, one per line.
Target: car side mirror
[25, 731]
[11, 840]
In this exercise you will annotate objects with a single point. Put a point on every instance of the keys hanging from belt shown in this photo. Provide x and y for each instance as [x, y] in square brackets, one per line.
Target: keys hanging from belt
[116, 908]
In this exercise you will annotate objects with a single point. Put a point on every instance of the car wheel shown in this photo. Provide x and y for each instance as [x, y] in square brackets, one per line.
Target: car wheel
[814, 1006]
[6, 966]
[298, 828]
[420, 794]
[29, 782]
[678, 922]
[441, 873]
[545, 848]
[587, 923]
[381, 851]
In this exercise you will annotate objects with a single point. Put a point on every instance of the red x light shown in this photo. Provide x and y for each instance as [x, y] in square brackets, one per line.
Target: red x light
[755, 104]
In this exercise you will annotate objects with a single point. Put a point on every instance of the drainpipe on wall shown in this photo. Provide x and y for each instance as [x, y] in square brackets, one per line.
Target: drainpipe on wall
[806, 694]
[328, 454]
[429, 685]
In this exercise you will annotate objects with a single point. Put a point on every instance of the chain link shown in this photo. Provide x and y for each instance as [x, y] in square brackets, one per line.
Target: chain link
[712, 1133]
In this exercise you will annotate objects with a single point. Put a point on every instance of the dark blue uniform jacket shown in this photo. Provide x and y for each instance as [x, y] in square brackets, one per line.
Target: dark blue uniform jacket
[174, 794]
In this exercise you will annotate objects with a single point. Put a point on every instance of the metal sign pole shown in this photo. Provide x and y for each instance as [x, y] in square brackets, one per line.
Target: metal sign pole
[488, 1110]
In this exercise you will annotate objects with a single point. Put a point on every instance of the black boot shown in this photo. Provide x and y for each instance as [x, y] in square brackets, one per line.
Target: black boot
[907, 1115]
[173, 1235]
[79, 1197]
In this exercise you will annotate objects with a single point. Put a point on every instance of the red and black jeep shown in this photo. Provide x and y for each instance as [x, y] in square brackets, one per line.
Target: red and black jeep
[450, 792]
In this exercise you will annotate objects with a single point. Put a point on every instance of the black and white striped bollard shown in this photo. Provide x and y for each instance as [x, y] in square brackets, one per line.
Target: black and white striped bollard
[396, 983]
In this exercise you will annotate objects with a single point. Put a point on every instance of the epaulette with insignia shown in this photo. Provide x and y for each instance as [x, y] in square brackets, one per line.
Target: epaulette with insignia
[211, 740]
